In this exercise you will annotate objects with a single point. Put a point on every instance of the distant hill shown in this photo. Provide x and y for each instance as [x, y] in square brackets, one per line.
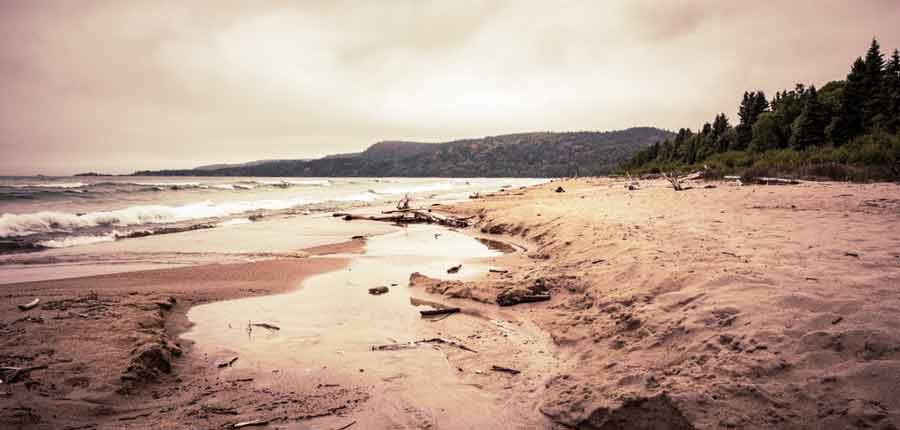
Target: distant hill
[540, 154]
[210, 167]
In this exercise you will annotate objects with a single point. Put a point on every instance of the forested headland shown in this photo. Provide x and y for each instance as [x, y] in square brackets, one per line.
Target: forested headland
[845, 130]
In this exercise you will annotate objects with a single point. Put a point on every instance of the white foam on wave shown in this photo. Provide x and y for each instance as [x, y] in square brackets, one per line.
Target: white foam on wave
[51, 185]
[12, 225]
[78, 240]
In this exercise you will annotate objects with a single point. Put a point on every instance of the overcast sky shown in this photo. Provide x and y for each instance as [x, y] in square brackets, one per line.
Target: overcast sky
[115, 86]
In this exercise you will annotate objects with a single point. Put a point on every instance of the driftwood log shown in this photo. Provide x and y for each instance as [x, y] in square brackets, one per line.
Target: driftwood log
[505, 370]
[442, 311]
[414, 344]
[409, 216]
[250, 423]
[30, 305]
[454, 269]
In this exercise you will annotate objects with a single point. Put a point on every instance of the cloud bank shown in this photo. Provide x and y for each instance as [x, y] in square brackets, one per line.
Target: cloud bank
[119, 86]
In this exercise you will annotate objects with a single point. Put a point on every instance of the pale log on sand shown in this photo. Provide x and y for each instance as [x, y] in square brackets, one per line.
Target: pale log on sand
[250, 423]
[30, 305]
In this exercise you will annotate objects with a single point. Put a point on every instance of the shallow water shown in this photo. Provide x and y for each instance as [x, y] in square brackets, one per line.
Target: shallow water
[330, 324]
[63, 227]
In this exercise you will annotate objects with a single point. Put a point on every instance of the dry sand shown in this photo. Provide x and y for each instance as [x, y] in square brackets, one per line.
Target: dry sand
[731, 307]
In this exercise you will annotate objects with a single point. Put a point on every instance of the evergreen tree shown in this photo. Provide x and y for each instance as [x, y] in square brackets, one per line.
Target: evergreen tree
[720, 130]
[752, 105]
[873, 107]
[892, 93]
[848, 123]
[809, 128]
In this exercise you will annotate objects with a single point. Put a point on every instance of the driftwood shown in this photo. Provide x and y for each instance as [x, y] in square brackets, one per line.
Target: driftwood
[30, 305]
[775, 181]
[250, 423]
[404, 202]
[498, 271]
[266, 326]
[9, 375]
[410, 216]
[346, 426]
[414, 344]
[227, 363]
[377, 291]
[454, 269]
[515, 299]
[505, 370]
[442, 311]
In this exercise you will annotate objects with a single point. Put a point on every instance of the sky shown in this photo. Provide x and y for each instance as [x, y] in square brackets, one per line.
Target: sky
[117, 86]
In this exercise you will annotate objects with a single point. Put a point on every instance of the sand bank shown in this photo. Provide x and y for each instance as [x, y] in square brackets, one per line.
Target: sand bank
[726, 307]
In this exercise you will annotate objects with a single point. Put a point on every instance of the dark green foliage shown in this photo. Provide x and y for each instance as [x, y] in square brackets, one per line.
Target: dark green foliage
[809, 128]
[513, 155]
[752, 106]
[845, 130]
[892, 94]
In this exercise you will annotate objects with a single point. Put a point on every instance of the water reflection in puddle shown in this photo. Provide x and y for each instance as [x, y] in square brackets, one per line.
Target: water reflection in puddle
[328, 326]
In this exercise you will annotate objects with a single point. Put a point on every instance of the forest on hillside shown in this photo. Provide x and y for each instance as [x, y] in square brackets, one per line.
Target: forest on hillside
[845, 130]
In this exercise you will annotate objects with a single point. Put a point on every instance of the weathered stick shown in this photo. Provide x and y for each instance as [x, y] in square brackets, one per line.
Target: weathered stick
[454, 269]
[505, 370]
[443, 311]
[8, 375]
[266, 326]
[448, 342]
[228, 363]
[30, 305]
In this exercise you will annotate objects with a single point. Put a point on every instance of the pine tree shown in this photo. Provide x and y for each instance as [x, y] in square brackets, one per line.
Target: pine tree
[752, 105]
[848, 123]
[873, 88]
[809, 128]
[892, 93]
[720, 130]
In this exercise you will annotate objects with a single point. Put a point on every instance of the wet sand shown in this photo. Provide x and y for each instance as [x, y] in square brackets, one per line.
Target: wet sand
[112, 350]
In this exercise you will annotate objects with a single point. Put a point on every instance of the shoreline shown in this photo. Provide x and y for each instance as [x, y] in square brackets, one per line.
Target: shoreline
[705, 308]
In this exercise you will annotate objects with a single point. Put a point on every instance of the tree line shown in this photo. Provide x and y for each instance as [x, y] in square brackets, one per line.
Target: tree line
[846, 129]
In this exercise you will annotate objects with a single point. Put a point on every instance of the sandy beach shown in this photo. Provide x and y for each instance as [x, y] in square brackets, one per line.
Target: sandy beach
[721, 307]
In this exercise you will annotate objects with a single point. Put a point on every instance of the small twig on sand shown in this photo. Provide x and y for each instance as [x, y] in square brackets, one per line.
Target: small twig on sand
[346, 426]
[498, 271]
[266, 326]
[227, 363]
[454, 269]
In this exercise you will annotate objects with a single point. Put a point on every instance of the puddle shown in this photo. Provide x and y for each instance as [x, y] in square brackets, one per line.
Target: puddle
[328, 326]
